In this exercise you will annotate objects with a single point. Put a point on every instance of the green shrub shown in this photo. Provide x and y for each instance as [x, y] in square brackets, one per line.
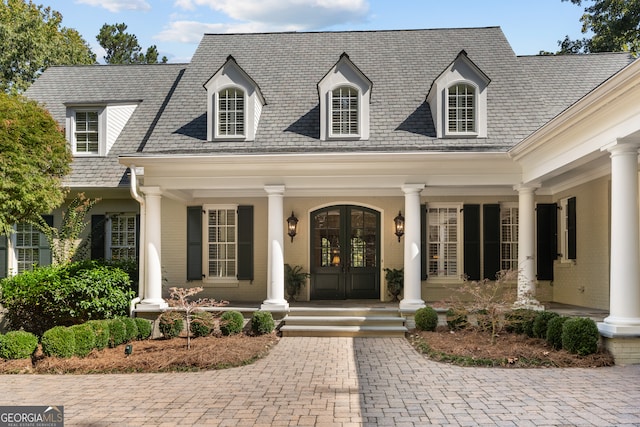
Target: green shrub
[520, 321]
[580, 336]
[17, 345]
[541, 322]
[171, 324]
[85, 339]
[117, 332]
[64, 295]
[58, 341]
[554, 331]
[426, 319]
[262, 322]
[101, 332]
[231, 322]
[202, 323]
[457, 319]
[131, 328]
[145, 328]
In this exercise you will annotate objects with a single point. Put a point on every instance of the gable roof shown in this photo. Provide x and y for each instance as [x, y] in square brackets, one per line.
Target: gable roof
[150, 85]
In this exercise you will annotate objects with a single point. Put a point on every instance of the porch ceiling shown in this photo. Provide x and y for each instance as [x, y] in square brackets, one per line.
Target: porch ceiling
[191, 177]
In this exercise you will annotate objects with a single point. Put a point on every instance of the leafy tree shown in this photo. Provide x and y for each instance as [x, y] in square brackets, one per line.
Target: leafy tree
[615, 25]
[123, 48]
[32, 39]
[34, 158]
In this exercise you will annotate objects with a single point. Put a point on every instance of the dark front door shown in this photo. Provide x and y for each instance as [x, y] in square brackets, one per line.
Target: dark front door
[345, 253]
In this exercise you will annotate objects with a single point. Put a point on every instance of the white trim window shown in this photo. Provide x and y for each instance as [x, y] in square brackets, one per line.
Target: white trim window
[86, 132]
[122, 237]
[345, 111]
[27, 247]
[231, 113]
[509, 237]
[220, 237]
[461, 109]
[443, 245]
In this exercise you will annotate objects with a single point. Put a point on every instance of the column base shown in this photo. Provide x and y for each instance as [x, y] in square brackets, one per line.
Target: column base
[152, 304]
[610, 329]
[275, 305]
[528, 304]
[411, 304]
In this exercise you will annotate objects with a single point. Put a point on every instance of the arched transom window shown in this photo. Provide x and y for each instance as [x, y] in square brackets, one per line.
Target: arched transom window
[461, 115]
[344, 111]
[231, 114]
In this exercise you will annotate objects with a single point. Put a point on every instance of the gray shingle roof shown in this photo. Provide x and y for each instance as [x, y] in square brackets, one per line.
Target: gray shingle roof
[524, 92]
[98, 83]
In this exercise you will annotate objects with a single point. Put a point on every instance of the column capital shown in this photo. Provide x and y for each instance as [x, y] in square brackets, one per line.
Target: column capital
[622, 147]
[274, 189]
[151, 191]
[527, 188]
[412, 188]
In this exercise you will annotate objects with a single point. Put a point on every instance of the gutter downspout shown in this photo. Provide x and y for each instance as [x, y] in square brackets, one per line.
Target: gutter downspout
[142, 253]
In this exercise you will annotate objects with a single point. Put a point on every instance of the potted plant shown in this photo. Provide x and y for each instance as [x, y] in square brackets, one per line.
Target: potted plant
[294, 279]
[395, 281]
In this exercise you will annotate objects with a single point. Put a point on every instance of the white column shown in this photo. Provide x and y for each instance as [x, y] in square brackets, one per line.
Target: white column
[275, 252]
[153, 249]
[624, 282]
[412, 284]
[526, 248]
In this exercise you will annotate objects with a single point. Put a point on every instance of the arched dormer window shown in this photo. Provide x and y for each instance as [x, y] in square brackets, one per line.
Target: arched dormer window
[234, 104]
[231, 113]
[344, 111]
[345, 94]
[461, 109]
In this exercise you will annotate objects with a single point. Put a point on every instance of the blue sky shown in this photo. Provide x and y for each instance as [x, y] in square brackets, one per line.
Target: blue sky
[176, 26]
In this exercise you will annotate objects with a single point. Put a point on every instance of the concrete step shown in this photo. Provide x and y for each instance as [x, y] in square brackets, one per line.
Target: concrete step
[342, 331]
[344, 320]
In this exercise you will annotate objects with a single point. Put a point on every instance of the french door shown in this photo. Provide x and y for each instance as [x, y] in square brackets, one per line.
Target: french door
[345, 253]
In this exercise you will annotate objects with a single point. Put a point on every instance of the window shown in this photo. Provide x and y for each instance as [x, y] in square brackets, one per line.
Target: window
[568, 229]
[27, 247]
[461, 109]
[220, 237]
[442, 237]
[122, 244]
[509, 238]
[344, 111]
[86, 132]
[231, 113]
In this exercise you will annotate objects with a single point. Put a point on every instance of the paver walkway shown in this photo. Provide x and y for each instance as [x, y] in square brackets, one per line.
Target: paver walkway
[344, 382]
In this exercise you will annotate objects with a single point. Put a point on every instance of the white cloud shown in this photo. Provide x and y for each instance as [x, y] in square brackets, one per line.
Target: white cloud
[116, 6]
[282, 15]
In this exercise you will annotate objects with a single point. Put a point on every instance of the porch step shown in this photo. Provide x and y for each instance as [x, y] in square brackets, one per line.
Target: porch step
[343, 322]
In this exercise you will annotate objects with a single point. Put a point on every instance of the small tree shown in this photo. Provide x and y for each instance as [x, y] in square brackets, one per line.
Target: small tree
[179, 298]
[488, 300]
[64, 242]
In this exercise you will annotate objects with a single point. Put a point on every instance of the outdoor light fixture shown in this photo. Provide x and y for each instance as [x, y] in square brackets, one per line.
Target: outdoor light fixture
[292, 225]
[128, 349]
[399, 223]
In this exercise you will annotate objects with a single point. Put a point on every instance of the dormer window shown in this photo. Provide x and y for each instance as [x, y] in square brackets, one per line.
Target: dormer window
[231, 112]
[234, 104]
[458, 100]
[86, 132]
[461, 108]
[344, 93]
[344, 111]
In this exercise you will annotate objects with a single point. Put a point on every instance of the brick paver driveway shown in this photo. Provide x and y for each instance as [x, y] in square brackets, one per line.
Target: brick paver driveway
[340, 381]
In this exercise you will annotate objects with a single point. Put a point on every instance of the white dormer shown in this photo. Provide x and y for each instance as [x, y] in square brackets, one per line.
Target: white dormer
[234, 104]
[345, 93]
[458, 100]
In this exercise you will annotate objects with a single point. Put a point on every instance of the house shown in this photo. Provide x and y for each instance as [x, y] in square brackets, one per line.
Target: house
[438, 151]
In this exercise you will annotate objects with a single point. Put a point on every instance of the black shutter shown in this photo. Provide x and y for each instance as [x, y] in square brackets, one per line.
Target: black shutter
[491, 243]
[98, 224]
[194, 243]
[245, 242]
[423, 242]
[571, 228]
[547, 239]
[3, 256]
[44, 250]
[471, 214]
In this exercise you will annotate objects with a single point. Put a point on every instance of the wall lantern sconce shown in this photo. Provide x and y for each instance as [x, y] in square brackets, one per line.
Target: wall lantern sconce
[399, 224]
[292, 225]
